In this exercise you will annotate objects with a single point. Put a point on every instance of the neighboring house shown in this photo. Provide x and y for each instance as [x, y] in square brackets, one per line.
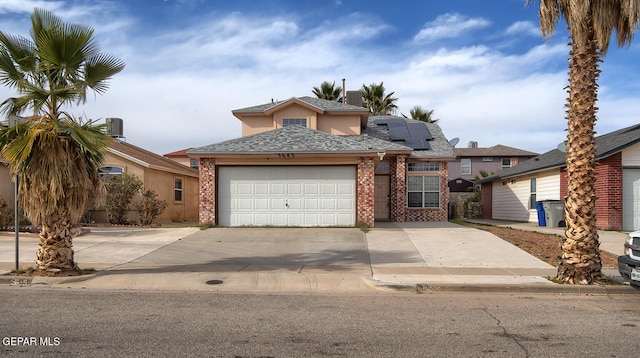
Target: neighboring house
[182, 157]
[172, 182]
[313, 162]
[471, 161]
[512, 193]
[7, 188]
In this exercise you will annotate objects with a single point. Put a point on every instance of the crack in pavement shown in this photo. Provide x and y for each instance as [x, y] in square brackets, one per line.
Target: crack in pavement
[505, 333]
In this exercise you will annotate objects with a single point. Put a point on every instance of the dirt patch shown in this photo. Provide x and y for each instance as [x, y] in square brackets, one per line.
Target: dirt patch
[545, 247]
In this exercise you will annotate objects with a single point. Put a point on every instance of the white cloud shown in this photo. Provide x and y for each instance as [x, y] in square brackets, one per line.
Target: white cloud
[523, 27]
[180, 85]
[449, 26]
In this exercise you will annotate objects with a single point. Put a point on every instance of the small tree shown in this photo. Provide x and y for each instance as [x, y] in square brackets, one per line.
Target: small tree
[150, 207]
[120, 191]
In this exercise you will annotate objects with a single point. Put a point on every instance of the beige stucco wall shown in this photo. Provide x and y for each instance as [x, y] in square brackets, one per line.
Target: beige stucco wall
[334, 124]
[162, 183]
[6, 185]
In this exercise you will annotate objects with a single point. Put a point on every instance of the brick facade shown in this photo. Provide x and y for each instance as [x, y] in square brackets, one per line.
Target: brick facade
[608, 187]
[398, 193]
[365, 191]
[207, 191]
[432, 214]
[365, 186]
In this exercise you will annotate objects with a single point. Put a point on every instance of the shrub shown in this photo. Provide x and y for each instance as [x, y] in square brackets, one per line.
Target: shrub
[120, 191]
[150, 207]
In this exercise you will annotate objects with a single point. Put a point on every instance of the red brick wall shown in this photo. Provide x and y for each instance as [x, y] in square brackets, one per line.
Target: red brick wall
[365, 191]
[432, 214]
[207, 190]
[398, 195]
[608, 188]
[609, 192]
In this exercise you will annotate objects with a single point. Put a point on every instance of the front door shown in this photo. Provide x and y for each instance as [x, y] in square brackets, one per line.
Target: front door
[381, 198]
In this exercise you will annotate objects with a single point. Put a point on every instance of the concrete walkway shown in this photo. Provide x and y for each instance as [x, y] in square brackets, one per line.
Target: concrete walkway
[423, 256]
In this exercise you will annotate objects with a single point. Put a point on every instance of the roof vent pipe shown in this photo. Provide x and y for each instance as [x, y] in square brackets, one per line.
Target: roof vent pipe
[343, 90]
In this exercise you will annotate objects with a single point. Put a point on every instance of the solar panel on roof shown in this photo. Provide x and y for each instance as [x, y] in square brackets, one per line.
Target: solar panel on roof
[418, 144]
[415, 135]
[419, 130]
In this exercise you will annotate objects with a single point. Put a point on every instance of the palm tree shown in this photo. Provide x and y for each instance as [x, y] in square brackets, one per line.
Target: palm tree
[591, 24]
[54, 157]
[420, 114]
[376, 101]
[328, 91]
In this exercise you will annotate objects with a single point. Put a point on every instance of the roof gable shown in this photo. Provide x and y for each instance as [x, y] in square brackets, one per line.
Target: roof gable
[318, 105]
[495, 151]
[149, 159]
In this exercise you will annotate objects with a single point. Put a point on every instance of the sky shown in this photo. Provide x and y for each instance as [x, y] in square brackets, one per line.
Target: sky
[482, 66]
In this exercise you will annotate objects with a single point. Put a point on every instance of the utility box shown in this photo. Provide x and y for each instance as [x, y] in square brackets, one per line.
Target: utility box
[554, 213]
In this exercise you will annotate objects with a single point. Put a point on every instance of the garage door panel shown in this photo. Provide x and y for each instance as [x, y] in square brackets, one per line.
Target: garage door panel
[294, 188]
[277, 188]
[242, 189]
[286, 196]
[345, 189]
[261, 189]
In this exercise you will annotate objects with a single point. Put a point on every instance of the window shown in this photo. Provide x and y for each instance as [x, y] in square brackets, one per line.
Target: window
[108, 172]
[506, 163]
[193, 163]
[465, 166]
[424, 167]
[423, 191]
[177, 190]
[532, 195]
[294, 122]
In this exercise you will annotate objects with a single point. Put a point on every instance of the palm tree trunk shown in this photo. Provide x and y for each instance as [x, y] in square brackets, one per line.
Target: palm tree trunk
[580, 260]
[56, 247]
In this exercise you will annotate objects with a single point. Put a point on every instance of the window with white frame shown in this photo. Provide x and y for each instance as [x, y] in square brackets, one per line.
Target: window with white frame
[294, 122]
[177, 189]
[532, 193]
[423, 187]
[465, 166]
[506, 163]
[193, 163]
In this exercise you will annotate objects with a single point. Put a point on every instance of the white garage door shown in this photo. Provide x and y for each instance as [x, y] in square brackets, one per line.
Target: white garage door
[287, 196]
[630, 199]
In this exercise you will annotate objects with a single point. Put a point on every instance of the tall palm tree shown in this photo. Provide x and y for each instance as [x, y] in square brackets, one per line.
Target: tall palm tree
[420, 114]
[591, 24]
[377, 101]
[54, 157]
[328, 91]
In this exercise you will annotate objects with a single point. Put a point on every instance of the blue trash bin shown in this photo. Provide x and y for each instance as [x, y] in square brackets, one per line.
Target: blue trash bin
[542, 221]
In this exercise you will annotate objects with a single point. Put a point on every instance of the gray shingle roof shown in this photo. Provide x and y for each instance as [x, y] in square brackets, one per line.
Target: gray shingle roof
[440, 147]
[497, 150]
[299, 139]
[606, 145]
[320, 104]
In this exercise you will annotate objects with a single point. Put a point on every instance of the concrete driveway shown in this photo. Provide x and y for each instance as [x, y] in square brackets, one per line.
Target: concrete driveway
[308, 259]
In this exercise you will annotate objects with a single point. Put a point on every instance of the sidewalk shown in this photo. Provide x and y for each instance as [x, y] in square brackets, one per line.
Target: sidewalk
[418, 256]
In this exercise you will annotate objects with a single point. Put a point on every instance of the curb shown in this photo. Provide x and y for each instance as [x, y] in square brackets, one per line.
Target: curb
[505, 288]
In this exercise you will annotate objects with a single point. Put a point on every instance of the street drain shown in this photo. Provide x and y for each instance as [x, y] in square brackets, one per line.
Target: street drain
[214, 282]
